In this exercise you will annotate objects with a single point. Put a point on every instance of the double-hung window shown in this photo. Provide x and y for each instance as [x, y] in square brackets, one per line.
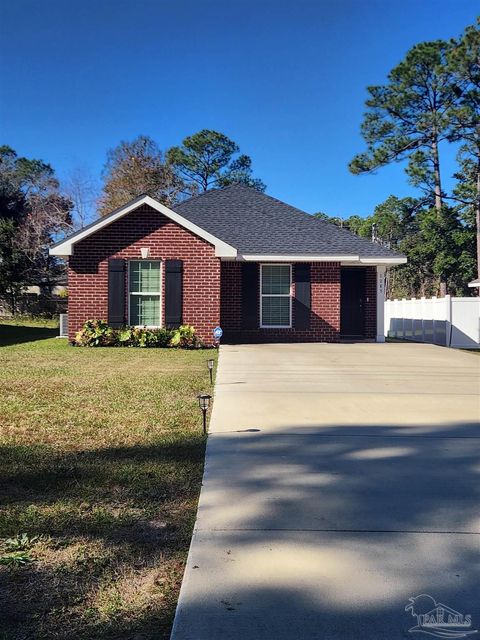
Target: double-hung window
[275, 295]
[144, 293]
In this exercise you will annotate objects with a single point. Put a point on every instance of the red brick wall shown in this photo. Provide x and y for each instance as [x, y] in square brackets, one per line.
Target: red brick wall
[231, 297]
[144, 227]
[325, 311]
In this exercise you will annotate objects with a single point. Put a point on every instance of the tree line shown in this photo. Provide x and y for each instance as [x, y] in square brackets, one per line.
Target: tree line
[431, 99]
[205, 160]
[36, 210]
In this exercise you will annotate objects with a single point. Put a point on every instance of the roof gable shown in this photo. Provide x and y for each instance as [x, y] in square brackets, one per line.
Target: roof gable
[65, 247]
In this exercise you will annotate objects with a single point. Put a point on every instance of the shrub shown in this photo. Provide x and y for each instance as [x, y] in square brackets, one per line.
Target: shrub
[185, 337]
[97, 333]
[141, 337]
[161, 337]
[125, 336]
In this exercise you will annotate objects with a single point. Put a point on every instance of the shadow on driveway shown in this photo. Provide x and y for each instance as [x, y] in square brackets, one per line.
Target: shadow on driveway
[326, 533]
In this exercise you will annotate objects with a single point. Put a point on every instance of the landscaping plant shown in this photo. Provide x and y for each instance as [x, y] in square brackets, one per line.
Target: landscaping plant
[97, 333]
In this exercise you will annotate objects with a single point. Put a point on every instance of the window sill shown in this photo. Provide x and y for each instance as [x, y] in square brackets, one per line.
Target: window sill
[147, 326]
[276, 326]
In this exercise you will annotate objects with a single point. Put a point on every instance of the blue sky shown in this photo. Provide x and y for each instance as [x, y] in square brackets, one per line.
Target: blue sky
[285, 79]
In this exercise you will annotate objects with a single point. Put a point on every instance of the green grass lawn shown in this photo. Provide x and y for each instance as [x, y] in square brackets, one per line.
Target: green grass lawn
[101, 459]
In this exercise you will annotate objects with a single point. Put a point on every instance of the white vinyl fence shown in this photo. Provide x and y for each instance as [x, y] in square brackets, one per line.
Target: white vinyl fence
[451, 322]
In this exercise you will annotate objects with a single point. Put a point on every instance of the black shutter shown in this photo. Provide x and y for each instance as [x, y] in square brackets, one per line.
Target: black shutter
[303, 295]
[116, 292]
[173, 293]
[250, 296]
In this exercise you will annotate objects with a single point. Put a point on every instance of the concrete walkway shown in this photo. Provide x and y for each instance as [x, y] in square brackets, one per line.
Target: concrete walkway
[340, 481]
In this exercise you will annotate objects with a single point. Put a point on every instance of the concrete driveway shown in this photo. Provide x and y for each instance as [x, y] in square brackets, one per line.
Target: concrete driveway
[341, 480]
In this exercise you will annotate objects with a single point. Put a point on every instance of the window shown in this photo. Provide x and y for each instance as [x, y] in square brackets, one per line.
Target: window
[275, 295]
[144, 293]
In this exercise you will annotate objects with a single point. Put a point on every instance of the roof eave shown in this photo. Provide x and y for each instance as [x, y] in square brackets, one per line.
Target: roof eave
[347, 259]
[293, 257]
[383, 260]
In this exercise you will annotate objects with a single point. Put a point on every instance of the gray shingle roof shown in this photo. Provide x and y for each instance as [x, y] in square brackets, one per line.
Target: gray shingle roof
[255, 223]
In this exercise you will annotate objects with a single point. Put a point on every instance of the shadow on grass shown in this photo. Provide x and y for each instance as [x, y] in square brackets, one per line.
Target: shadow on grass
[397, 504]
[11, 334]
[115, 525]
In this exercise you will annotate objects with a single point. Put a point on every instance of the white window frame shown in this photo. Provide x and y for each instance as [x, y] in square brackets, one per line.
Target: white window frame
[150, 293]
[275, 295]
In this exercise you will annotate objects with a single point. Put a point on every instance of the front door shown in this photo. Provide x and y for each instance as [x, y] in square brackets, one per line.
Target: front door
[352, 299]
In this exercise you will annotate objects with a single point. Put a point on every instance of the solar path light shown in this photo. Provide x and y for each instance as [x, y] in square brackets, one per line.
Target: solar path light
[204, 403]
[210, 363]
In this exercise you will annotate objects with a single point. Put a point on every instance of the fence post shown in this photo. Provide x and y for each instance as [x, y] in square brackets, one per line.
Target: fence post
[422, 314]
[395, 318]
[448, 320]
[386, 319]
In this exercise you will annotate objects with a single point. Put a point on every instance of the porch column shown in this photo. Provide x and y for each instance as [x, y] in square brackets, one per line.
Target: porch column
[380, 303]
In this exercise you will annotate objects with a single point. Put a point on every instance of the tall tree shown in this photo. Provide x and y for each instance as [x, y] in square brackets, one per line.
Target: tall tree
[13, 263]
[409, 117]
[336, 220]
[354, 223]
[135, 168]
[32, 213]
[208, 159]
[464, 63]
[82, 189]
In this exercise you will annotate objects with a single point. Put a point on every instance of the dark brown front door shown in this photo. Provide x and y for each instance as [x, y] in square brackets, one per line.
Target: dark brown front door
[352, 303]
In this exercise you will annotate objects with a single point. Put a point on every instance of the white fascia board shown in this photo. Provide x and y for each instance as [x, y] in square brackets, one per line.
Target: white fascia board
[384, 261]
[294, 258]
[363, 262]
[65, 248]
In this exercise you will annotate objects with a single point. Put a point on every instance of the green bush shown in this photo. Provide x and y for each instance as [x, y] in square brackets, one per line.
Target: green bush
[141, 337]
[97, 333]
[184, 337]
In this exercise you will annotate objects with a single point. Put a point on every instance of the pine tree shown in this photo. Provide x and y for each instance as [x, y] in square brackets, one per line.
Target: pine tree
[409, 117]
[464, 64]
[208, 160]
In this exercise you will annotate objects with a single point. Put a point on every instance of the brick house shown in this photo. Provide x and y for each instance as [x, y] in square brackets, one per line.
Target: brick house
[236, 258]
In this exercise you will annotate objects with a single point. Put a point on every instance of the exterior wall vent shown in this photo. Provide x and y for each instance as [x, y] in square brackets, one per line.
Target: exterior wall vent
[63, 326]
